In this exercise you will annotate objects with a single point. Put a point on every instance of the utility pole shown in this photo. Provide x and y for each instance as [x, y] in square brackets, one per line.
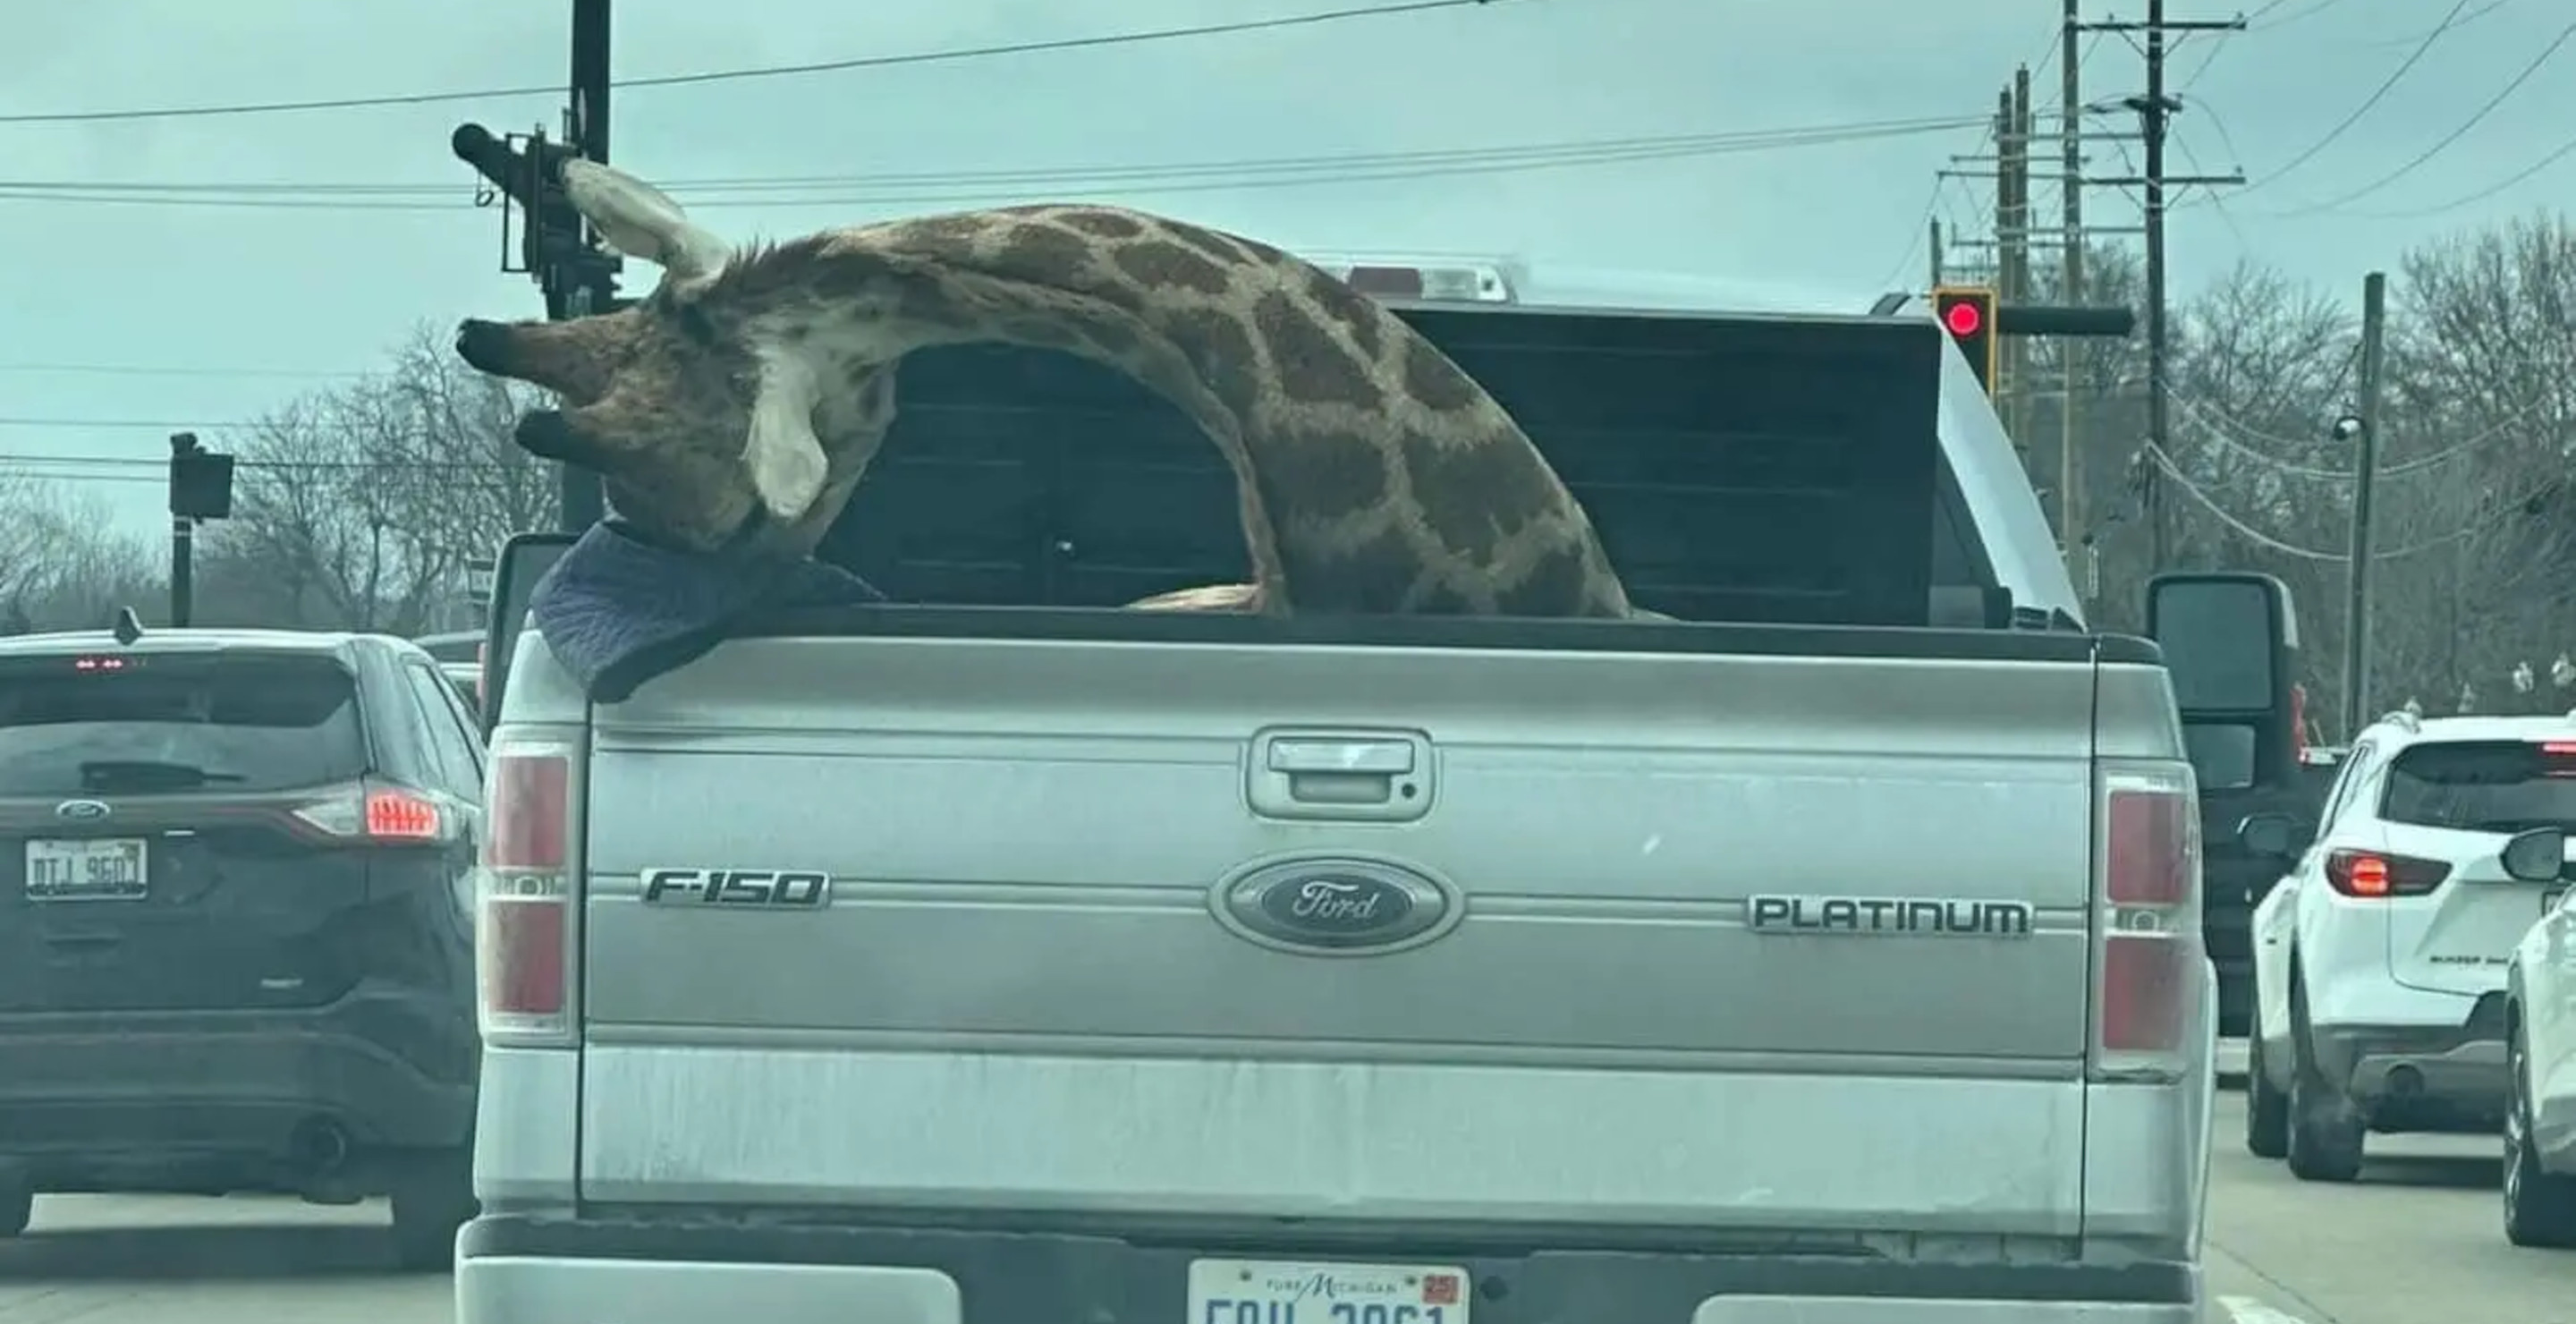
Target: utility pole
[1936, 255]
[2155, 110]
[2012, 230]
[2362, 428]
[2070, 136]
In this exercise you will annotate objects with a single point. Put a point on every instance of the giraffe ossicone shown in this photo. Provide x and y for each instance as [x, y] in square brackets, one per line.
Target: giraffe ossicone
[745, 396]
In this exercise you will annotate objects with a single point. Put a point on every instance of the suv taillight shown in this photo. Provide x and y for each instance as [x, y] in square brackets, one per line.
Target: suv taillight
[378, 813]
[2149, 982]
[526, 903]
[2376, 875]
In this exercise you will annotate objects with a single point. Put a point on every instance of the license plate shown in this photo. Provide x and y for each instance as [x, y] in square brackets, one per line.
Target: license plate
[1303, 1292]
[85, 870]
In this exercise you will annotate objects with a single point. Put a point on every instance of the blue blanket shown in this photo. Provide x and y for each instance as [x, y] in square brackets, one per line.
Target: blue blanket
[618, 610]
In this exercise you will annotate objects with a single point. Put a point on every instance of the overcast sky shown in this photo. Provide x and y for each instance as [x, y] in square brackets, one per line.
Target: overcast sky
[191, 308]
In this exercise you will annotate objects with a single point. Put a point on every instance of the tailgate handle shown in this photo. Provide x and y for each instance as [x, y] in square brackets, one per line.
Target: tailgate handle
[1385, 758]
[1365, 776]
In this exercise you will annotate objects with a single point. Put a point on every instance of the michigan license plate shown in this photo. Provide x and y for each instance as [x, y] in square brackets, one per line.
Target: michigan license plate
[85, 870]
[1301, 1292]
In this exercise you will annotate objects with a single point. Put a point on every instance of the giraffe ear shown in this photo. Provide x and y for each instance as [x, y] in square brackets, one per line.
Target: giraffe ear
[786, 459]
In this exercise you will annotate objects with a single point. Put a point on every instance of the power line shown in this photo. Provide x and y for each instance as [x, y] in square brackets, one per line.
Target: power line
[2294, 16]
[957, 187]
[2547, 53]
[744, 74]
[150, 424]
[158, 467]
[2555, 155]
[2449, 21]
[153, 370]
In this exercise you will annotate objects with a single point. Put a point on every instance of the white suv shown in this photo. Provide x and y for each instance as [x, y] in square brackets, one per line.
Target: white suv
[2379, 961]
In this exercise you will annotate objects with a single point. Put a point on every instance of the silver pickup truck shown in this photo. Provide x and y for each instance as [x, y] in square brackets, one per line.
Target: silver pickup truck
[1830, 954]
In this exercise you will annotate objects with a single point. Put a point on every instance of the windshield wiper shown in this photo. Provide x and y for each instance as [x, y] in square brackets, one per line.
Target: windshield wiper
[150, 775]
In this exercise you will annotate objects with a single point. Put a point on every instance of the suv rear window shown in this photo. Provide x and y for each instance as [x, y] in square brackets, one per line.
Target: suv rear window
[165, 722]
[2483, 786]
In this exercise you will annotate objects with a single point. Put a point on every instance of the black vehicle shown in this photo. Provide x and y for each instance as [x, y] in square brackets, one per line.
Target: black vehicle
[236, 946]
[2231, 644]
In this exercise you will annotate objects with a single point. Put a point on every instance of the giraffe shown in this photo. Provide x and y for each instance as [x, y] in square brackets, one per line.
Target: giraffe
[743, 399]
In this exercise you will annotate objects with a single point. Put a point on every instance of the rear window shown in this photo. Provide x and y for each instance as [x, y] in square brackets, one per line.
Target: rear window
[2483, 786]
[146, 723]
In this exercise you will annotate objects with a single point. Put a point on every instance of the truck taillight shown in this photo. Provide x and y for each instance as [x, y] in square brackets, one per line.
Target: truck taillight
[2148, 985]
[526, 904]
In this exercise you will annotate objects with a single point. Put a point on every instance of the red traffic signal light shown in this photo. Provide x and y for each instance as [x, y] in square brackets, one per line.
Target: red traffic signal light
[1967, 312]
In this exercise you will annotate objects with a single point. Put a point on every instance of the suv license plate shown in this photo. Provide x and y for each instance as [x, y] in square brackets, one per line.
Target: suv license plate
[85, 870]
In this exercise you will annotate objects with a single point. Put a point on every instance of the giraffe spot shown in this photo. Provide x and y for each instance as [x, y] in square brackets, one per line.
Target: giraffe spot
[1221, 351]
[923, 299]
[1438, 384]
[1105, 224]
[1350, 308]
[951, 235]
[1160, 265]
[1317, 475]
[1043, 254]
[1313, 367]
[1373, 577]
[1473, 492]
[1560, 584]
[1222, 248]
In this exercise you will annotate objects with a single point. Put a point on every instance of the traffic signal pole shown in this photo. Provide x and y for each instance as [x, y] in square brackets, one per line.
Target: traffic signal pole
[576, 278]
[201, 487]
[577, 290]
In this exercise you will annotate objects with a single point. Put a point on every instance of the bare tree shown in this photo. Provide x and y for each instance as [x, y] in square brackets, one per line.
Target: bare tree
[2483, 378]
[358, 507]
[62, 564]
[2474, 523]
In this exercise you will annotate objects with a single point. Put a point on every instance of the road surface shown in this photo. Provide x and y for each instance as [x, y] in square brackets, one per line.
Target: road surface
[2416, 1241]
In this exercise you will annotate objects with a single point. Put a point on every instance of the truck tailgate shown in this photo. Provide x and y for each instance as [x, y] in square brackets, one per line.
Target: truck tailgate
[1048, 977]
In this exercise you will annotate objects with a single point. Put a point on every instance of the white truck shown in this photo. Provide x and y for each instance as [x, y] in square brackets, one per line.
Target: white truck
[1830, 953]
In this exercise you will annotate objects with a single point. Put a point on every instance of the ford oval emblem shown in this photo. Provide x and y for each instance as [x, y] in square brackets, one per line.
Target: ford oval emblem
[81, 811]
[1336, 905]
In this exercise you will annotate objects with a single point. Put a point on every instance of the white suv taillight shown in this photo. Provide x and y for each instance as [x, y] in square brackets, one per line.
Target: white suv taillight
[2148, 953]
[527, 903]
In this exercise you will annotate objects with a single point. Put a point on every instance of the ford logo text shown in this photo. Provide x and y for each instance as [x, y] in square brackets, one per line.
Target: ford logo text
[1336, 906]
[81, 811]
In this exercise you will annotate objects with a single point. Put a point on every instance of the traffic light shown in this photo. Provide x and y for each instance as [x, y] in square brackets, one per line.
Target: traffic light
[1967, 312]
[201, 481]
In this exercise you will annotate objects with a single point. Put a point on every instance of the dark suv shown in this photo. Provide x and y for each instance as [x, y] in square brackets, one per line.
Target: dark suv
[236, 945]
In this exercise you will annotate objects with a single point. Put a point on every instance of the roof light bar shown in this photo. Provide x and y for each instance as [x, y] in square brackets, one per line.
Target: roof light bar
[1468, 283]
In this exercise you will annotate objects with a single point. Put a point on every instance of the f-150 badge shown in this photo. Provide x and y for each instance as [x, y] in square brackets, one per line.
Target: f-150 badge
[759, 889]
[1829, 916]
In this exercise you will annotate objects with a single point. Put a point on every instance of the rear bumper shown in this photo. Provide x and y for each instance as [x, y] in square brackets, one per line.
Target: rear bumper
[105, 1101]
[2430, 1075]
[515, 1269]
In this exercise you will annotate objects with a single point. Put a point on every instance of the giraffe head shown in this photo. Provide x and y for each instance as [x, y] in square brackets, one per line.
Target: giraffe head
[695, 404]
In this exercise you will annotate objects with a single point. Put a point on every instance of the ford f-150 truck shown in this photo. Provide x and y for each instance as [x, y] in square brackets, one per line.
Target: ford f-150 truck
[1830, 952]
